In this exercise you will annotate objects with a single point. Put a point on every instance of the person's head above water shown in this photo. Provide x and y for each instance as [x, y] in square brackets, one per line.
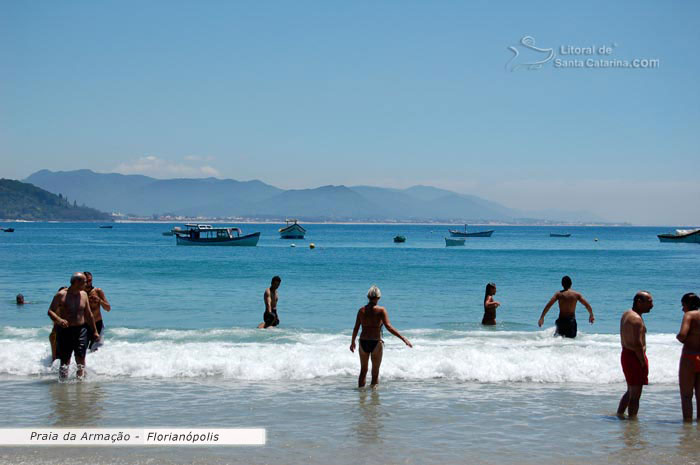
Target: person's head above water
[276, 281]
[490, 290]
[374, 294]
[566, 283]
[690, 301]
[77, 280]
[20, 299]
[643, 302]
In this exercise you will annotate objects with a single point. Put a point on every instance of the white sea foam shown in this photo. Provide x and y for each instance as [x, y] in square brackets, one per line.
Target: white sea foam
[248, 354]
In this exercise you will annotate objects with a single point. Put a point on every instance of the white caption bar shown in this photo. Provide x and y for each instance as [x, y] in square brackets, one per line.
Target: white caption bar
[132, 437]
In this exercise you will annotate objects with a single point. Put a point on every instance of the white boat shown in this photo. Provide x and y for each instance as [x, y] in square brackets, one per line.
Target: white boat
[205, 234]
[293, 230]
[451, 242]
[682, 235]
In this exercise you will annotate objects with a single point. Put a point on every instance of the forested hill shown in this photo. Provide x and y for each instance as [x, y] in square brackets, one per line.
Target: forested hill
[23, 201]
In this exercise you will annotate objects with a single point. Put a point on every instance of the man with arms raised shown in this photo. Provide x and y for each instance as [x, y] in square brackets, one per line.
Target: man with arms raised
[70, 311]
[97, 299]
[270, 317]
[567, 298]
[634, 361]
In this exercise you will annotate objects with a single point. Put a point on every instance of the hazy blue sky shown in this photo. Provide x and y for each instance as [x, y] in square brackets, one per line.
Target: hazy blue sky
[393, 93]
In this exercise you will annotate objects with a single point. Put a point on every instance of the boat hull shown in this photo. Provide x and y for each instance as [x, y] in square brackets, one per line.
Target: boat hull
[454, 233]
[249, 240]
[690, 238]
[451, 242]
[293, 231]
[559, 235]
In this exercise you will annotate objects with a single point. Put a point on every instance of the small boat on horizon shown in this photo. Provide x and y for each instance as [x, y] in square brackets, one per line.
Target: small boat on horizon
[293, 230]
[452, 242]
[559, 235]
[687, 236]
[456, 233]
[205, 234]
[8, 229]
[399, 239]
[106, 227]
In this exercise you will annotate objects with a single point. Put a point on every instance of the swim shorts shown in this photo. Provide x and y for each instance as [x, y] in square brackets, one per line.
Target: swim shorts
[71, 339]
[270, 318]
[695, 358]
[566, 326]
[635, 373]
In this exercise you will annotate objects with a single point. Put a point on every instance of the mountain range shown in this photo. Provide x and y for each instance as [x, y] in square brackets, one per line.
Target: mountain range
[140, 195]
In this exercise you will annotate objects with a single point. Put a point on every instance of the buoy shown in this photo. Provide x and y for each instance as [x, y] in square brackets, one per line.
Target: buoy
[312, 246]
[293, 245]
[596, 239]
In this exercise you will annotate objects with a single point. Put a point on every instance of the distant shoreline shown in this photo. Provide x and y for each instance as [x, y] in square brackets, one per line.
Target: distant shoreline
[379, 223]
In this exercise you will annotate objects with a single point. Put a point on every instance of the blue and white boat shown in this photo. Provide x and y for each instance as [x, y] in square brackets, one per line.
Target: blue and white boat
[205, 234]
[682, 236]
[452, 242]
[293, 230]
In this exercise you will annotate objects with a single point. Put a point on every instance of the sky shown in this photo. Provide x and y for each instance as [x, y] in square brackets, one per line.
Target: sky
[471, 96]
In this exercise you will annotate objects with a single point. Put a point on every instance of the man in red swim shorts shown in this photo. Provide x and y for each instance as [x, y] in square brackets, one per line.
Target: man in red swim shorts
[634, 361]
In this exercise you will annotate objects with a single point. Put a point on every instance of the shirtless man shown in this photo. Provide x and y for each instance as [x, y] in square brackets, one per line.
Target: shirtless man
[567, 298]
[97, 299]
[270, 317]
[689, 369]
[70, 311]
[634, 361]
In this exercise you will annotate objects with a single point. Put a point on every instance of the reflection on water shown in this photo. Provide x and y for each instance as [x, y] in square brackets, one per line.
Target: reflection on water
[77, 404]
[688, 440]
[369, 425]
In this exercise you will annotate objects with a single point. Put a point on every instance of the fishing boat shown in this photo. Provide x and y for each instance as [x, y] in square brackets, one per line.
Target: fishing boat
[9, 229]
[293, 230]
[205, 234]
[399, 239]
[452, 242]
[559, 235]
[682, 236]
[456, 233]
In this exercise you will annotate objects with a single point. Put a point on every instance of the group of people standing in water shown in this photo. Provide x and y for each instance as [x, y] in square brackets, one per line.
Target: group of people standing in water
[635, 365]
[76, 313]
[77, 317]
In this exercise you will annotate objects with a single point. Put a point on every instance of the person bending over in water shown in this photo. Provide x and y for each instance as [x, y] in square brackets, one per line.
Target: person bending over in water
[490, 305]
[634, 361]
[75, 321]
[97, 299]
[567, 298]
[371, 317]
[689, 368]
[270, 317]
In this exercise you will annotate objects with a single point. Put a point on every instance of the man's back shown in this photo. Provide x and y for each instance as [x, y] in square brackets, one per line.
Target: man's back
[567, 300]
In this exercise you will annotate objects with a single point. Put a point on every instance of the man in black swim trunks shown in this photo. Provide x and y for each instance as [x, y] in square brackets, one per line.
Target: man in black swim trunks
[567, 298]
[270, 317]
[70, 311]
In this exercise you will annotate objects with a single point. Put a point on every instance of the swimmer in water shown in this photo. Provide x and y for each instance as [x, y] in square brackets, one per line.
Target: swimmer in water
[371, 317]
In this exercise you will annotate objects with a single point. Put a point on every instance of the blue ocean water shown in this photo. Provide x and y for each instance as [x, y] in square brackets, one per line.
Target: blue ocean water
[152, 283]
[182, 348]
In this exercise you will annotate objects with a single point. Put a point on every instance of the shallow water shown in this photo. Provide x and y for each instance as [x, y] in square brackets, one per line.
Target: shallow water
[181, 348]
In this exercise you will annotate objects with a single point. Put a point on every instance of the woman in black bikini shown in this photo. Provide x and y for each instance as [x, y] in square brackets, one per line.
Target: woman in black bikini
[371, 317]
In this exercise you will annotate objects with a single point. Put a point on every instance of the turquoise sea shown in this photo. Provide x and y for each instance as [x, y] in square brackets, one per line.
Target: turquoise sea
[181, 348]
